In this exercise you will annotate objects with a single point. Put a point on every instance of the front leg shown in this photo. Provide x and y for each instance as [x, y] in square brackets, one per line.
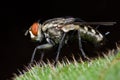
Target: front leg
[59, 48]
[41, 47]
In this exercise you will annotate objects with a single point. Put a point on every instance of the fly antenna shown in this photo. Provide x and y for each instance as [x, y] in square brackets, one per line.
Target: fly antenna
[26, 33]
[39, 21]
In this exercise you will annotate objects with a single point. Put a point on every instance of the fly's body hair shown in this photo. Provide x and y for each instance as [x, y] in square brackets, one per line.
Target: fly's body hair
[56, 32]
[54, 28]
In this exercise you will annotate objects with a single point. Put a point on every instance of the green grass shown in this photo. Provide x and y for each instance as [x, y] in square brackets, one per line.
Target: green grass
[107, 68]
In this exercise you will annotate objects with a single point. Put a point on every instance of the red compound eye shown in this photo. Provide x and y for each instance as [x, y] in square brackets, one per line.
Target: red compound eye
[34, 28]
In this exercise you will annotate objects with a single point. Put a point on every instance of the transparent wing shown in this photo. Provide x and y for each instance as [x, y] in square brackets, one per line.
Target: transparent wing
[61, 20]
[96, 23]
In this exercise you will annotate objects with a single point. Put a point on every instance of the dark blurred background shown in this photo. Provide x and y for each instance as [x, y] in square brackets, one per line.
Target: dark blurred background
[16, 18]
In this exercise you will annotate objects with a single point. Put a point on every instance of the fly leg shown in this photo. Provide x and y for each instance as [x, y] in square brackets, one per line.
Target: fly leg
[80, 46]
[40, 47]
[59, 48]
[42, 55]
[97, 27]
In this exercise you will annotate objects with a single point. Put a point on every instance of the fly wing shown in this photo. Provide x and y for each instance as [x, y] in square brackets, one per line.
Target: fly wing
[60, 20]
[96, 23]
[57, 23]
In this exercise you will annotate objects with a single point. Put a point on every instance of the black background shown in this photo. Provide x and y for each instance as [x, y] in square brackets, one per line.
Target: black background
[16, 49]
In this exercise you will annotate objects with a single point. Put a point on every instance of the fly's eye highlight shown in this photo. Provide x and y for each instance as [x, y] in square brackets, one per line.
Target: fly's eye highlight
[34, 28]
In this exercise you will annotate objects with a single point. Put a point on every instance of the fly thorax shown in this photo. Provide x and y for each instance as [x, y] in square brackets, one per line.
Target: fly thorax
[54, 34]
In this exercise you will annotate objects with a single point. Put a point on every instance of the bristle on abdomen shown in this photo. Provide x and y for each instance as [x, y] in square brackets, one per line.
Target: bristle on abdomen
[92, 33]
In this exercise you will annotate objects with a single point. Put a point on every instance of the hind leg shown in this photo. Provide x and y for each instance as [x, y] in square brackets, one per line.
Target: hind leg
[80, 46]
